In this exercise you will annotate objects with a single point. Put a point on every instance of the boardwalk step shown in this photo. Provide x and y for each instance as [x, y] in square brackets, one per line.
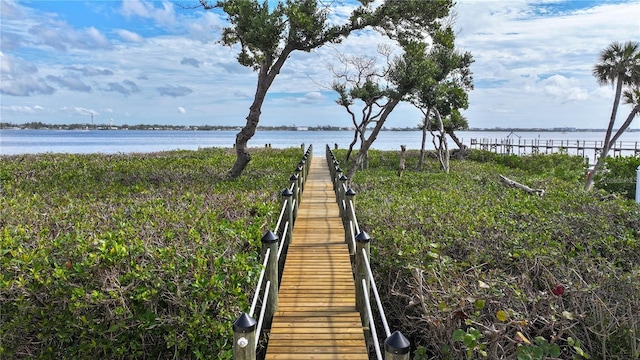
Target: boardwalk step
[316, 317]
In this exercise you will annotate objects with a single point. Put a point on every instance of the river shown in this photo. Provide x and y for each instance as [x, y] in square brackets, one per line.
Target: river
[14, 142]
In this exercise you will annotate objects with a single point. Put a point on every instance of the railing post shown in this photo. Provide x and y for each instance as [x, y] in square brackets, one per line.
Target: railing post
[270, 241]
[349, 195]
[362, 242]
[244, 338]
[341, 190]
[296, 194]
[332, 169]
[336, 179]
[307, 159]
[301, 178]
[396, 347]
[286, 195]
[298, 174]
[303, 167]
[327, 155]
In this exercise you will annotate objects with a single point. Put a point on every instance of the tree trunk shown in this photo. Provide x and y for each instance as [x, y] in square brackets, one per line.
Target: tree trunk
[605, 151]
[423, 144]
[425, 126]
[442, 146]
[353, 142]
[374, 134]
[355, 133]
[266, 76]
[462, 147]
[614, 112]
[364, 159]
[606, 145]
[455, 139]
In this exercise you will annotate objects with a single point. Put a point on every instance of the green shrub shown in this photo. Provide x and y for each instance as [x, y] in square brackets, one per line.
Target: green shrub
[619, 176]
[561, 165]
[469, 268]
[131, 256]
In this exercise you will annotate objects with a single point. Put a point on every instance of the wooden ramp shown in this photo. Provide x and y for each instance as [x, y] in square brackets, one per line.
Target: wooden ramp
[317, 316]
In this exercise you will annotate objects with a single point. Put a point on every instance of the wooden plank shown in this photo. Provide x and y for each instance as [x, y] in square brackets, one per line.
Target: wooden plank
[323, 349]
[292, 338]
[316, 317]
[298, 356]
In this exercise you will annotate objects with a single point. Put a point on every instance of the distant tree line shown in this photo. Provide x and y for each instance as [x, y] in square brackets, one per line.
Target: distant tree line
[36, 125]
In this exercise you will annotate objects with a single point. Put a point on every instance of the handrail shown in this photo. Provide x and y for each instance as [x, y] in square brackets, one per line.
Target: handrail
[246, 331]
[284, 208]
[374, 334]
[282, 243]
[255, 296]
[383, 317]
[265, 299]
[396, 346]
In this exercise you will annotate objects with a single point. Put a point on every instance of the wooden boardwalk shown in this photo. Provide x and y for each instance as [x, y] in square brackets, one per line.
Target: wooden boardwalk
[317, 317]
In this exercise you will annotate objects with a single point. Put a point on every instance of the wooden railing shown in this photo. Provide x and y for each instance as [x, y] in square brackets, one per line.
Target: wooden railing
[575, 147]
[246, 329]
[396, 345]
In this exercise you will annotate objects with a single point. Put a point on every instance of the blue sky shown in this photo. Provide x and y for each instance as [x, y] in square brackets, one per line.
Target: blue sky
[139, 61]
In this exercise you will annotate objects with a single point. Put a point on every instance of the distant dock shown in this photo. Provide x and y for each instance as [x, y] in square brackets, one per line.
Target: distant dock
[582, 148]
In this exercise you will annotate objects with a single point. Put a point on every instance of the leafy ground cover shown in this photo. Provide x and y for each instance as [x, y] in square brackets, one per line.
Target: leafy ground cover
[471, 269]
[144, 256]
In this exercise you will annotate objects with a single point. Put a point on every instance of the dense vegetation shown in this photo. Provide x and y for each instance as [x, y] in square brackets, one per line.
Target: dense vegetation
[619, 175]
[131, 256]
[472, 269]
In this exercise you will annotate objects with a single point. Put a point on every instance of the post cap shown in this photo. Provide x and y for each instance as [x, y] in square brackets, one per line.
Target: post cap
[397, 344]
[244, 323]
[299, 168]
[363, 237]
[338, 169]
[350, 192]
[343, 178]
[270, 237]
[294, 177]
[287, 193]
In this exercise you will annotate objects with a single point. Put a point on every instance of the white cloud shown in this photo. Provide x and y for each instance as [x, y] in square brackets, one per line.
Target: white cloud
[146, 9]
[79, 111]
[561, 89]
[182, 110]
[129, 36]
[23, 109]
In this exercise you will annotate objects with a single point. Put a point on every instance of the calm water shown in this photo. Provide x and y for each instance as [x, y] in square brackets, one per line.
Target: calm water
[14, 142]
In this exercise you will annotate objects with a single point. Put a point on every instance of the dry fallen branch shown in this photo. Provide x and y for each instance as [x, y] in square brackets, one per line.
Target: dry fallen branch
[510, 183]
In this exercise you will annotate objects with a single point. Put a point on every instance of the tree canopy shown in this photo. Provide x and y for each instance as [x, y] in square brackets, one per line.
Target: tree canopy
[268, 32]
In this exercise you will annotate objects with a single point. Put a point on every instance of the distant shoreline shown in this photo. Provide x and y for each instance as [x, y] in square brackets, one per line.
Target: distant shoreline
[42, 126]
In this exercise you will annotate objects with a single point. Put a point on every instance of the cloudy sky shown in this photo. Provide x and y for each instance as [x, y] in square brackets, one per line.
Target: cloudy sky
[155, 62]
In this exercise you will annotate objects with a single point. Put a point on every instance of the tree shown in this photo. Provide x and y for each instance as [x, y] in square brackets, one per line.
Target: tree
[360, 82]
[619, 64]
[443, 92]
[406, 73]
[269, 33]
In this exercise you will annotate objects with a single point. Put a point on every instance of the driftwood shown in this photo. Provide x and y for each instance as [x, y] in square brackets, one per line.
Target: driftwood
[510, 183]
[607, 197]
[403, 155]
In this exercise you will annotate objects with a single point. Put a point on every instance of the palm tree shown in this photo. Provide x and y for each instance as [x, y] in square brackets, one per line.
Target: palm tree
[619, 64]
